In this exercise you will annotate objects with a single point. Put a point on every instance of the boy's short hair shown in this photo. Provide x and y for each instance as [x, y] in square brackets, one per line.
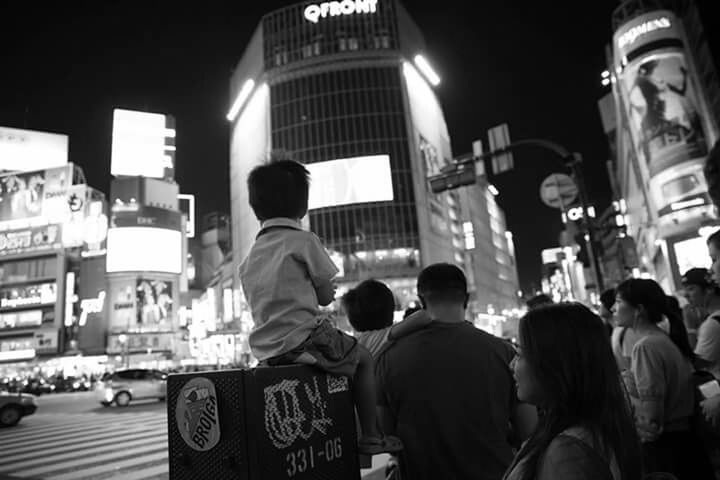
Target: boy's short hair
[442, 282]
[369, 306]
[279, 189]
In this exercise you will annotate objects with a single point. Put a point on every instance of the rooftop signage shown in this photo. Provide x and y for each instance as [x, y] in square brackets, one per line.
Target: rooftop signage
[316, 11]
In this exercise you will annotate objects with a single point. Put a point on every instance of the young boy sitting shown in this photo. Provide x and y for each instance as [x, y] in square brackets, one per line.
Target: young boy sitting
[286, 276]
[369, 307]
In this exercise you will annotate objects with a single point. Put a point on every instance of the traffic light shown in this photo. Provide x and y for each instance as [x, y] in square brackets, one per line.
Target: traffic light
[460, 174]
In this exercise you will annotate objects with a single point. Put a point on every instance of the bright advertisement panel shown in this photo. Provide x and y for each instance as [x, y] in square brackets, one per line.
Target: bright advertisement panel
[154, 300]
[350, 180]
[144, 249]
[23, 319]
[663, 109]
[28, 295]
[29, 150]
[142, 144]
[691, 253]
[35, 197]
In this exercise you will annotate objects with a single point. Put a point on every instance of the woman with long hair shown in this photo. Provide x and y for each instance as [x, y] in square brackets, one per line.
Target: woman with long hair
[565, 367]
[660, 382]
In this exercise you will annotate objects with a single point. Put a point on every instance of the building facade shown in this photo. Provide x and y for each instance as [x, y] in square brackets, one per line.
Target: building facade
[666, 121]
[344, 88]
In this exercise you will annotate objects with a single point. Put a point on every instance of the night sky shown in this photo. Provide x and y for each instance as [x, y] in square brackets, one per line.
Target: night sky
[66, 65]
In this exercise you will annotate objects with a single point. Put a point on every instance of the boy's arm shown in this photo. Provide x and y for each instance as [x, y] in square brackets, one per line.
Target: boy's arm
[325, 291]
[416, 321]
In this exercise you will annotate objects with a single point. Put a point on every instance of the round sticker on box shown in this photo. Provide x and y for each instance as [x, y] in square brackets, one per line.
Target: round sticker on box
[196, 414]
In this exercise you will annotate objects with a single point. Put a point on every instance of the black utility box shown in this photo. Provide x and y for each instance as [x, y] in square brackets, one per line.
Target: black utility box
[273, 423]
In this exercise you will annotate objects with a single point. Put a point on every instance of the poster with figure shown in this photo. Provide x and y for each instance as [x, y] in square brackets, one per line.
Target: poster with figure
[21, 195]
[154, 302]
[662, 105]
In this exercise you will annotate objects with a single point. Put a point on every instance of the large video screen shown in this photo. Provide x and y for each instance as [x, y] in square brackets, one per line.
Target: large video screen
[28, 150]
[142, 144]
[154, 301]
[350, 180]
[144, 249]
[663, 106]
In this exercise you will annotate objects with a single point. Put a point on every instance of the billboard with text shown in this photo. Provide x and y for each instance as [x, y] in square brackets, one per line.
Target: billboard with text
[29, 150]
[143, 144]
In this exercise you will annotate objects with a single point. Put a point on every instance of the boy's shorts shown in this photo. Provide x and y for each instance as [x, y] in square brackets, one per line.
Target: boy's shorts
[327, 348]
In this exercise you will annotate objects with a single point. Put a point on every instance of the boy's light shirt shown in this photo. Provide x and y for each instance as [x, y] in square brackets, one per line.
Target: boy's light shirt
[279, 278]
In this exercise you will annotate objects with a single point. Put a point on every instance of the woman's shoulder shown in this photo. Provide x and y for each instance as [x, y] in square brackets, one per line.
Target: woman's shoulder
[571, 454]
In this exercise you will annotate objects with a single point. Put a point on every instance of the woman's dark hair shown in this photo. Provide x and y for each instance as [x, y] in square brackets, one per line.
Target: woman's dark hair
[279, 189]
[712, 175]
[649, 294]
[714, 239]
[369, 306]
[607, 298]
[569, 353]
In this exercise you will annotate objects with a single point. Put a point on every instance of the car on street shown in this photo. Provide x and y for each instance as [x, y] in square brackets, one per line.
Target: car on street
[124, 386]
[14, 406]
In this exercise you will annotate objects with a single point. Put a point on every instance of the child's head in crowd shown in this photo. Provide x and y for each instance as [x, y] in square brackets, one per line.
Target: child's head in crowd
[279, 189]
[369, 306]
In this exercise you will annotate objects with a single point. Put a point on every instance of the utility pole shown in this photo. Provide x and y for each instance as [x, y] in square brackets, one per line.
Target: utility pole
[463, 172]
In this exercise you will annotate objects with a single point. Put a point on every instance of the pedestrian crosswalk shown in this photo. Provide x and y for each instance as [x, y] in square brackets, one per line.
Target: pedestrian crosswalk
[87, 446]
[97, 446]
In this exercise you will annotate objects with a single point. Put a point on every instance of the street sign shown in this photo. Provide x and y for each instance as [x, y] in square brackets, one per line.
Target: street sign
[499, 138]
[558, 191]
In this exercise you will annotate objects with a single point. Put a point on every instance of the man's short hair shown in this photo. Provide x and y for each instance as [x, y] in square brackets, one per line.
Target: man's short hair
[538, 301]
[697, 276]
[369, 306]
[279, 189]
[442, 282]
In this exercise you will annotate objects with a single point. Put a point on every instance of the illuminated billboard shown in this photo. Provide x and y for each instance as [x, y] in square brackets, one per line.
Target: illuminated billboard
[144, 249]
[143, 144]
[350, 180]
[31, 239]
[28, 295]
[28, 150]
[662, 106]
[40, 196]
[154, 302]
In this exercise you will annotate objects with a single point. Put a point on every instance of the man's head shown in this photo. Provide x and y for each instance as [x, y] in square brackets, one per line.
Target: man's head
[538, 301]
[442, 284]
[369, 306]
[696, 285]
[279, 189]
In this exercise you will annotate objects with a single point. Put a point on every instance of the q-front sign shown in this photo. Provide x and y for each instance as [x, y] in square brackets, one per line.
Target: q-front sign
[316, 11]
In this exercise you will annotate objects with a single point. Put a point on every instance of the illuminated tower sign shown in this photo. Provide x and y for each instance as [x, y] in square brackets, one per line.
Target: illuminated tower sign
[315, 12]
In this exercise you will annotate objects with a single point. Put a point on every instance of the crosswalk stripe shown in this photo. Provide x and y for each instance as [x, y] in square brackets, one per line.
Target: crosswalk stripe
[85, 460]
[52, 459]
[78, 438]
[95, 472]
[42, 453]
[68, 433]
[65, 426]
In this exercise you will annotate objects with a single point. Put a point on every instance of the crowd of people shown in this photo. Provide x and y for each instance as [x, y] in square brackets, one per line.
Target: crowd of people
[582, 396]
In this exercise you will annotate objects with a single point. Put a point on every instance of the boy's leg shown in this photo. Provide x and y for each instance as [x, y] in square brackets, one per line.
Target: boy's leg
[364, 393]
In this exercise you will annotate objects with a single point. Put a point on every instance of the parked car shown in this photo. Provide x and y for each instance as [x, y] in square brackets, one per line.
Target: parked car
[123, 386]
[37, 386]
[14, 406]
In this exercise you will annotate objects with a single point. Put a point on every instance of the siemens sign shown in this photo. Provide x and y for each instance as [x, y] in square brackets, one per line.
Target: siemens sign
[315, 12]
[629, 37]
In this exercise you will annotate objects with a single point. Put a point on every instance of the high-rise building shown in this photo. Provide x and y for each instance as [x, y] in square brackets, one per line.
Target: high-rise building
[664, 90]
[346, 88]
